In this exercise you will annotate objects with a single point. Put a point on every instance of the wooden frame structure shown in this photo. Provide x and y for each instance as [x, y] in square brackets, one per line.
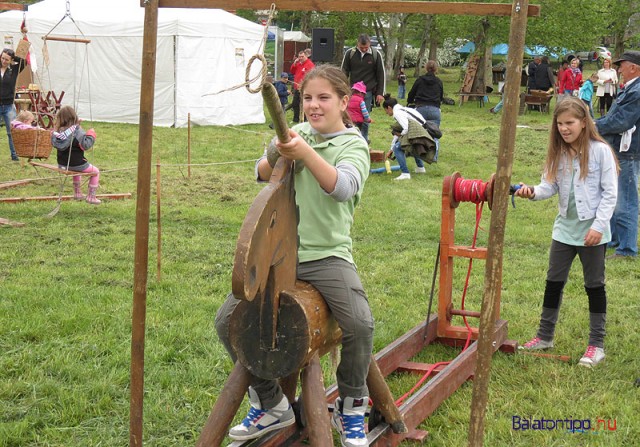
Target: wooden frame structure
[519, 11]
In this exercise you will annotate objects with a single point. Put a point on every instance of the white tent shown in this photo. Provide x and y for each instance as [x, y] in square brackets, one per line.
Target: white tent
[296, 36]
[199, 51]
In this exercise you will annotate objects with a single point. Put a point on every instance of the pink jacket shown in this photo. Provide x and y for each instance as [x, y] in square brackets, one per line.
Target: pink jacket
[15, 124]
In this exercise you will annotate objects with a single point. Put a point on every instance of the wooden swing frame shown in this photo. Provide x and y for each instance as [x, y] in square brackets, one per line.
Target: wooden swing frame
[519, 11]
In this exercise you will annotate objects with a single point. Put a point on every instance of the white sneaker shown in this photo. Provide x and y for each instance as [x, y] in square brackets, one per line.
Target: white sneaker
[592, 357]
[403, 176]
[260, 421]
[421, 170]
[348, 420]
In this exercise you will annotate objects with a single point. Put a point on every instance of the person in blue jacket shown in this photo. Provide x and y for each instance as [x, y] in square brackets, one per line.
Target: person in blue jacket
[620, 128]
[283, 89]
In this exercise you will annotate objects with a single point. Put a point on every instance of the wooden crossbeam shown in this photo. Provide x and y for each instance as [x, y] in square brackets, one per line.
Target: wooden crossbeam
[61, 171]
[125, 195]
[66, 39]
[13, 7]
[418, 7]
[14, 183]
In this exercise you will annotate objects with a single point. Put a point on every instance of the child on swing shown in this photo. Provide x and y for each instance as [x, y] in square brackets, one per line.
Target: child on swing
[72, 141]
[582, 169]
[336, 166]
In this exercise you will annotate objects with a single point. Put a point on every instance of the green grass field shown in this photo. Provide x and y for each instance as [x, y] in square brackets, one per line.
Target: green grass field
[66, 289]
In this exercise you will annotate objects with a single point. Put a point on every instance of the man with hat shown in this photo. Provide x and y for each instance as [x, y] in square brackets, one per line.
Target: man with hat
[621, 128]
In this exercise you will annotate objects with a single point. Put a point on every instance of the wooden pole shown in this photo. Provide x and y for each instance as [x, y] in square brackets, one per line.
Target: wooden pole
[66, 39]
[189, 145]
[315, 404]
[493, 269]
[225, 408]
[141, 253]
[13, 7]
[159, 225]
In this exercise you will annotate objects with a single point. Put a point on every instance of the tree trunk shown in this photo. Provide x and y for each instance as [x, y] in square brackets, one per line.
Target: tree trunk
[305, 22]
[434, 41]
[481, 41]
[340, 37]
[399, 60]
[428, 20]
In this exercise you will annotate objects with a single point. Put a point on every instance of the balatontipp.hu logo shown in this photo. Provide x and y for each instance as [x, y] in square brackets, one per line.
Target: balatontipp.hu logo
[571, 425]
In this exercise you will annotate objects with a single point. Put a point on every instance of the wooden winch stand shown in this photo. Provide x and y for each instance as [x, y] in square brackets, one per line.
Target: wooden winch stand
[395, 358]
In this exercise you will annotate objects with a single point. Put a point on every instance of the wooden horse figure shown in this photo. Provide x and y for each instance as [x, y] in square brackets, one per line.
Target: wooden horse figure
[289, 317]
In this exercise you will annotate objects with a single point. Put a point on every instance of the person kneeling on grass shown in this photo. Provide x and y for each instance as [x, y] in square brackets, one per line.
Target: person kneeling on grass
[582, 169]
[410, 136]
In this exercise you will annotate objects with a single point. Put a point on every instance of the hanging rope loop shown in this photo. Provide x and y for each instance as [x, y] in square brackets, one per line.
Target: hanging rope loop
[262, 76]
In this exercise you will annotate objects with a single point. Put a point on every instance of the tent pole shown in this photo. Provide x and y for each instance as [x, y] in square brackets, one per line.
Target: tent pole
[141, 255]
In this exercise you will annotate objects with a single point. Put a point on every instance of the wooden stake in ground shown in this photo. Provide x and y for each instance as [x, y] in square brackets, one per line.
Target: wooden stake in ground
[493, 269]
[189, 145]
[159, 224]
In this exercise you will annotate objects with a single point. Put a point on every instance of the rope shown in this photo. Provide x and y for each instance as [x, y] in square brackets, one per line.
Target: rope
[474, 191]
[262, 76]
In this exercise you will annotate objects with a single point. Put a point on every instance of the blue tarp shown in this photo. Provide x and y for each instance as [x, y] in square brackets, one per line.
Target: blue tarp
[502, 49]
[469, 47]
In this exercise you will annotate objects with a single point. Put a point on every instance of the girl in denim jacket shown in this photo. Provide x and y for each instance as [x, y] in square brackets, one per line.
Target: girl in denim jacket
[582, 169]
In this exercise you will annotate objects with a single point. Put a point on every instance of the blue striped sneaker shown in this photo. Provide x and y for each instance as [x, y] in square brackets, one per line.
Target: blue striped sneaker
[259, 421]
[348, 420]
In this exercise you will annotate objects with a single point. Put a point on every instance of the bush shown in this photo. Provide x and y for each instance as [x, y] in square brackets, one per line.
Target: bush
[447, 56]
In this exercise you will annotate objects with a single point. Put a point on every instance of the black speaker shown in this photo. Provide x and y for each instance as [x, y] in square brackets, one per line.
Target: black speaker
[322, 45]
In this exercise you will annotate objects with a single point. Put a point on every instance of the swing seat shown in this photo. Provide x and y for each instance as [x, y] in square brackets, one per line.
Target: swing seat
[32, 143]
[60, 170]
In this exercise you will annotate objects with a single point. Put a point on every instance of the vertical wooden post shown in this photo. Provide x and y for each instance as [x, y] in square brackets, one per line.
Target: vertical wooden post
[225, 408]
[315, 404]
[189, 145]
[159, 220]
[141, 253]
[493, 269]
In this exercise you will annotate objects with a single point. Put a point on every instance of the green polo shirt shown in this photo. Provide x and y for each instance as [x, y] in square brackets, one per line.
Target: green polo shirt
[325, 224]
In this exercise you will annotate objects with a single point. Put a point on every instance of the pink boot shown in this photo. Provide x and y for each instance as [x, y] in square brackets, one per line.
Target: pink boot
[77, 192]
[91, 197]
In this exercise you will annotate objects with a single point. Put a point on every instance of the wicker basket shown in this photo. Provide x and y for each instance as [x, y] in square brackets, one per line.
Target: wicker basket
[32, 143]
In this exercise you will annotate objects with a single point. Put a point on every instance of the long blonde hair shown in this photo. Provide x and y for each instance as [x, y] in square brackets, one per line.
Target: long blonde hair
[557, 146]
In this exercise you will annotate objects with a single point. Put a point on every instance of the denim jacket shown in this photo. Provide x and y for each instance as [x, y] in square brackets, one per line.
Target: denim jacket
[623, 115]
[595, 195]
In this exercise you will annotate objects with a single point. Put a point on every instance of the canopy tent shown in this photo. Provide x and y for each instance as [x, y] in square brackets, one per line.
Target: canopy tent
[199, 51]
[296, 36]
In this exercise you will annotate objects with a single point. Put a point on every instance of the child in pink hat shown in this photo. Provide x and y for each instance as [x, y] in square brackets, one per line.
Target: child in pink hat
[357, 109]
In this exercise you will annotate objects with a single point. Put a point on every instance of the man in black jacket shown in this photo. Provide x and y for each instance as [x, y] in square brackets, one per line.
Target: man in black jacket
[363, 63]
[544, 78]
